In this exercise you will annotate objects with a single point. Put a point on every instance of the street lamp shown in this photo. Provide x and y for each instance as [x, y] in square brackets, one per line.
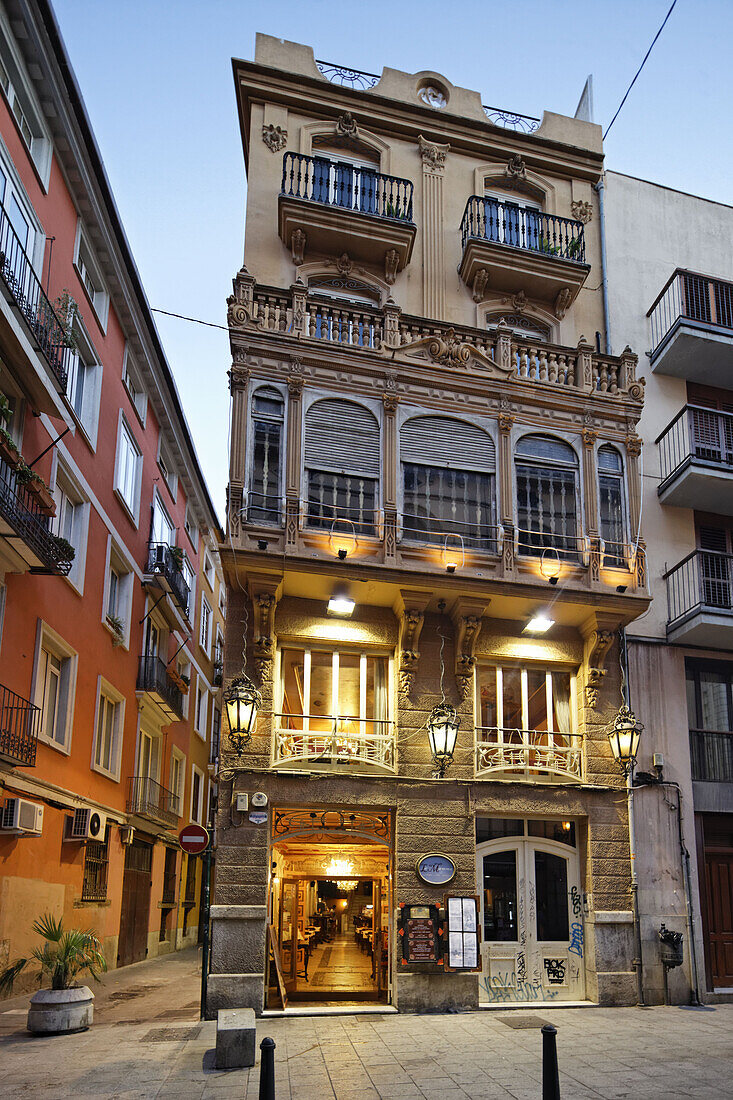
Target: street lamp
[242, 701]
[443, 726]
[624, 737]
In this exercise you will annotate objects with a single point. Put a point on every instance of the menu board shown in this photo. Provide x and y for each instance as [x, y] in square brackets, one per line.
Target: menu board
[419, 933]
[462, 933]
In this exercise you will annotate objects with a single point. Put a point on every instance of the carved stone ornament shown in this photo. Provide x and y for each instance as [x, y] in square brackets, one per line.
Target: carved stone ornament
[468, 628]
[237, 314]
[506, 423]
[582, 211]
[295, 383]
[449, 350]
[346, 125]
[391, 260]
[480, 281]
[274, 137]
[390, 401]
[516, 169]
[433, 155]
[592, 686]
[297, 246]
[633, 446]
[589, 436]
[598, 641]
[344, 264]
[562, 302]
[411, 624]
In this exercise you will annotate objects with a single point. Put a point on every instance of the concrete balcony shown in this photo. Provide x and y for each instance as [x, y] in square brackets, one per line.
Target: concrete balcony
[328, 208]
[700, 600]
[516, 249]
[692, 329]
[696, 461]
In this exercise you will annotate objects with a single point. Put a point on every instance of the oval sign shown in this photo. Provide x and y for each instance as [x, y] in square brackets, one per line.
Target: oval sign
[436, 870]
[194, 839]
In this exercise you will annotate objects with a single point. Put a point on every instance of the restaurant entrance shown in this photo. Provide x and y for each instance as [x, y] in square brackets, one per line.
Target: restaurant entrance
[329, 914]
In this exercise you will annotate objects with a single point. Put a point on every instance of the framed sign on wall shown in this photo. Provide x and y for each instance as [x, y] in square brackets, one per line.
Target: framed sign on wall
[461, 933]
[419, 934]
[435, 869]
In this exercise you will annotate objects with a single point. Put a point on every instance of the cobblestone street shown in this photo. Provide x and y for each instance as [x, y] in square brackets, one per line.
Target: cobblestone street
[147, 1041]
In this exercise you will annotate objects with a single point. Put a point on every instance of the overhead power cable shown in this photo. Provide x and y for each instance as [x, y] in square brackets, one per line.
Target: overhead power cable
[633, 82]
[183, 317]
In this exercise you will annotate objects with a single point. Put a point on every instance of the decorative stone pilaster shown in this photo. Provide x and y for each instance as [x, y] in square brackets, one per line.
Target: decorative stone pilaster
[240, 304]
[467, 621]
[633, 474]
[590, 481]
[433, 162]
[506, 479]
[410, 610]
[390, 401]
[238, 387]
[503, 346]
[584, 366]
[391, 313]
[294, 429]
[299, 294]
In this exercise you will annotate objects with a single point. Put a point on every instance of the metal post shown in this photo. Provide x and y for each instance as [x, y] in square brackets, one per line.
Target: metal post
[637, 961]
[205, 945]
[550, 1073]
[267, 1070]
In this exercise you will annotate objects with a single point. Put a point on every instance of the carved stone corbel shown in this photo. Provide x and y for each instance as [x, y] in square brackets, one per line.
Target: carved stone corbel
[467, 621]
[410, 610]
[599, 634]
[480, 281]
[274, 137]
[391, 260]
[264, 593]
[562, 302]
[433, 155]
[297, 246]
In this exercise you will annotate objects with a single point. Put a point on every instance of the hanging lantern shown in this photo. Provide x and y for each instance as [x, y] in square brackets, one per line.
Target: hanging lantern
[242, 701]
[624, 737]
[443, 726]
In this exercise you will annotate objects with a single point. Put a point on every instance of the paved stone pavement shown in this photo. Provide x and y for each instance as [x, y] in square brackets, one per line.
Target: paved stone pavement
[147, 1042]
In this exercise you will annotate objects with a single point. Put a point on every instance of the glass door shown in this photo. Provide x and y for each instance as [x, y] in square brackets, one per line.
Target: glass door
[288, 932]
[532, 922]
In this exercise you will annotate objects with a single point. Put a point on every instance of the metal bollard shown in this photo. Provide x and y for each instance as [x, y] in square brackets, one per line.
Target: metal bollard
[267, 1070]
[550, 1075]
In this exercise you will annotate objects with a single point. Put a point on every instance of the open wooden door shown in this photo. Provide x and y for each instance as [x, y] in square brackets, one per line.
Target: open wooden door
[288, 933]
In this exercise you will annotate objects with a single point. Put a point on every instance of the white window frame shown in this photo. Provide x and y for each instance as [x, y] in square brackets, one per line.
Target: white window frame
[85, 261]
[125, 438]
[205, 624]
[20, 91]
[191, 529]
[177, 788]
[66, 487]
[208, 570]
[49, 641]
[155, 753]
[223, 599]
[117, 561]
[108, 695]
[37, 243]
[166, 467]
[201, 709]
[132, 381]
[85, 364]
[202, 794]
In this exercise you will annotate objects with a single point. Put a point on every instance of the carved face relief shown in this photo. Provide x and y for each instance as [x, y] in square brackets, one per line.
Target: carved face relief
[274, 137]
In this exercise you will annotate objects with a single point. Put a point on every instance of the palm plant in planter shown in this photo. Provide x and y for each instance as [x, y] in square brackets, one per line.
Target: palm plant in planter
[66, 1006]
[116, 625]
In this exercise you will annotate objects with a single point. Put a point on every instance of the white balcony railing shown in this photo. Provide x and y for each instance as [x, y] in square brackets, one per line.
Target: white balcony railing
[528, 754]
[325, 740]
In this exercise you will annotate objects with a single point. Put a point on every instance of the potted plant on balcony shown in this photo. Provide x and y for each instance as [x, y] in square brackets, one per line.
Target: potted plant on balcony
[177, 555]
[117, 627]
[175, 678]
[66, 1006]
[65, 551]
[8, 450]
[38, 489]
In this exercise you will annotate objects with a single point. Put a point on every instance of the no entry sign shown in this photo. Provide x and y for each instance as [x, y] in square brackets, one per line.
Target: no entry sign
[194, 839]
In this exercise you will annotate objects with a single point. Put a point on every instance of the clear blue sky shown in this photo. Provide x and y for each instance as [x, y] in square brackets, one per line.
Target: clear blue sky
[156, 78]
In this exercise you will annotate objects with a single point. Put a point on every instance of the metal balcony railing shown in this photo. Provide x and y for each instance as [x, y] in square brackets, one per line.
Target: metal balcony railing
[695, 434]
[452, 535]
[23, 284]
[148, 799]
[162, 564]
[528, 754]
[346, 741]
[533, 543]
[346, 186]
[23, 513]
[488, 219]
[703, 581]
[711, 753]
[153, 676]
[19, 724]
[687, 296]
[511, 120]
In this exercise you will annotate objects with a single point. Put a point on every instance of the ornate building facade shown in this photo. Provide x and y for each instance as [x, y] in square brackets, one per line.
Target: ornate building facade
[434, 498]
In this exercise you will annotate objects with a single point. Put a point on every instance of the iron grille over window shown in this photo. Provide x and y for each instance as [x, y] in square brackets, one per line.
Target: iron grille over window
[440, 502]
[96, 859]
[342, 457]
[546, 497]
[613, 525]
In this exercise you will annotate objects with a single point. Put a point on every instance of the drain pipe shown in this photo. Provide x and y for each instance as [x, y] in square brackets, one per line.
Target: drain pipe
[599, 187]
[637, 961]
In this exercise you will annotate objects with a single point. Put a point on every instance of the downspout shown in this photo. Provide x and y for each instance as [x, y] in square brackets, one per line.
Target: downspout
[599, 187]
[637, 961]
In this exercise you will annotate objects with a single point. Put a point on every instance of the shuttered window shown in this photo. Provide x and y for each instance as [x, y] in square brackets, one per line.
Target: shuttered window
[715, 565]
[342, 461]
[611, 505]
[440, 499]
[264, 494]
[547, 518]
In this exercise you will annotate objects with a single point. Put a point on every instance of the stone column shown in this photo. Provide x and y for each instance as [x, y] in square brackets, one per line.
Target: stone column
[239, 389]
[633, 475]
[294, 433]
[433, 165]
[390, 457]
[590, 481]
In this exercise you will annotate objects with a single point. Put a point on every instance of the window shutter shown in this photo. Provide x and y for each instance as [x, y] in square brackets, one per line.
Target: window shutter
[442, 441]
[609, 460]
[713, 538]
[547, 448]
[342, 437]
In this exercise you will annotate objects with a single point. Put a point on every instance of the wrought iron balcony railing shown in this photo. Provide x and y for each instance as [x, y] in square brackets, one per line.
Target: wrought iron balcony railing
[512, 120]
[452, 535]
[711, 753]
[153, 676]
[19, 724]
[23, 284]
[347, 186]
[488, 219]
[23, 513]
[162, 563]
[528, 754]
[695, 435]
[703, 581]
[544, 543]
[688, 296]
[148, 799]
[301, 738]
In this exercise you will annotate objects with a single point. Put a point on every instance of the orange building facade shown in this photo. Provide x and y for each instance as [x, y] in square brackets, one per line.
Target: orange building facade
[111, 596]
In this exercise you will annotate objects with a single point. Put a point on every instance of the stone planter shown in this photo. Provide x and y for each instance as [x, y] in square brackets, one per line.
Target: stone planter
[57, 1010]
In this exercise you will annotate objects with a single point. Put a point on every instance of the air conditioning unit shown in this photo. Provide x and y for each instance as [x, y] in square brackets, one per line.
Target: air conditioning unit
[20, 816]
[86, 824]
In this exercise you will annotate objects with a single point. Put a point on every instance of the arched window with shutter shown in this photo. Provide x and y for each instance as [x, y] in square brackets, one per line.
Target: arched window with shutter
[342, 462]
[267, 446]
[611, 505]
[448, 479]
[547, 510]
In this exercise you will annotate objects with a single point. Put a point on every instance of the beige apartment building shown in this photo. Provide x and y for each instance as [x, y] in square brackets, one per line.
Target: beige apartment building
[434, 502]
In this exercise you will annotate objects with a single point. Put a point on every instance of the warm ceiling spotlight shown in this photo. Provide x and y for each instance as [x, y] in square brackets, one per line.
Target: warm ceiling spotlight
[341, 605]
[450, 567]
[262, 544]
[538, 624]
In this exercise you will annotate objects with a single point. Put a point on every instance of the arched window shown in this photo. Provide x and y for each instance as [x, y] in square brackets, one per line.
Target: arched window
[448, 475]
[342, 449]
[547, 497]
[521, 324]
[611, 505]
[266, 469]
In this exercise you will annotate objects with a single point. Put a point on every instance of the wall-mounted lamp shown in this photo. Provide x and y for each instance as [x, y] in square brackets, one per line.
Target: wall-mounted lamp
[341, 605]
[242, 702]
[624, 736]
[538, 624]
[442, 733]
[550, 565]
[342, 539]
[454, 554]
